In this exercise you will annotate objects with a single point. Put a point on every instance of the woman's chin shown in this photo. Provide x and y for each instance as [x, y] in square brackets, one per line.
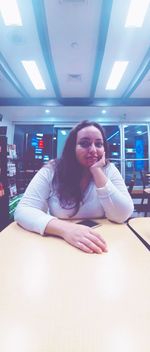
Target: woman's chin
[91, 162]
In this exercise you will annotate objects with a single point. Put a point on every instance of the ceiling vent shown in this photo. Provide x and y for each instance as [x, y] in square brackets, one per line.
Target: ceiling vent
[74, 77]
[15, 35]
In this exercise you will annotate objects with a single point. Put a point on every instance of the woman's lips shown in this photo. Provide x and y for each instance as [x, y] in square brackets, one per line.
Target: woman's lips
[92, 160]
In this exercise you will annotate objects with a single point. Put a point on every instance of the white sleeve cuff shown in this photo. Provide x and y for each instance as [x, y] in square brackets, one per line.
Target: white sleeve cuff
[107, 190]
[32, 219]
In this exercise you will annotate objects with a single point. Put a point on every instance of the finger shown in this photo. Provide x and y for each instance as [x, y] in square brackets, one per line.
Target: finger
[98, 240]
[93, 246]
[99, 237]
[83, 247]
[103, 157]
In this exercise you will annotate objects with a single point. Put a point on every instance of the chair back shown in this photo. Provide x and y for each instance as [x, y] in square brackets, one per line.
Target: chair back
[144, 179]
[131, 184]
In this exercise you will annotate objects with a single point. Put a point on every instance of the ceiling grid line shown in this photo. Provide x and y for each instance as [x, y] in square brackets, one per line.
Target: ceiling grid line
[9, 74]
[102, 37]
[44, 39]
[140, 74]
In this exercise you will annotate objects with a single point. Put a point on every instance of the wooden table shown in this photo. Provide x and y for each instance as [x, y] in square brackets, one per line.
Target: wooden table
[141, 227]
[55, 298]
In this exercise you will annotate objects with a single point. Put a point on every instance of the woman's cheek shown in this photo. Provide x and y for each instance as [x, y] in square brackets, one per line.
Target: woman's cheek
[101, 153]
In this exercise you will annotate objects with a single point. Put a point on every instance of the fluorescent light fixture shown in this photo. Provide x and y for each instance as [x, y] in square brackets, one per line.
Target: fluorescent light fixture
[39, 134]
[34, 74]
[113, 135]
[136, 13]
[103, 111]
[10, 12]
[47, 111]
[114, 153]
[63, 132]
[117, 72]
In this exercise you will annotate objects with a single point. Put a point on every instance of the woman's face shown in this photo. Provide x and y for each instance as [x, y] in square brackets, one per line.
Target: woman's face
[89, 146]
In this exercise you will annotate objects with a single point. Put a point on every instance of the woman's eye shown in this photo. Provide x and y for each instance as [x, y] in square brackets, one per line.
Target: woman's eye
[85, 144]
[99, 144]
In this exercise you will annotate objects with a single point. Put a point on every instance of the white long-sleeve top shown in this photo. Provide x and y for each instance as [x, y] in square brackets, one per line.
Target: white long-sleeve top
[39, 204]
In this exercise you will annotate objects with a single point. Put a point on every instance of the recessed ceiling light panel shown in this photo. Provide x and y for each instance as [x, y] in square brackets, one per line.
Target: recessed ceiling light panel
[136, 13]
[34, 74]
[117, 72]
[10, 13]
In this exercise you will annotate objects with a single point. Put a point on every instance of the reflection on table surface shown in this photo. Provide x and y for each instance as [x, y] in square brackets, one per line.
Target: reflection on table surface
[53, 297]
[142, 227]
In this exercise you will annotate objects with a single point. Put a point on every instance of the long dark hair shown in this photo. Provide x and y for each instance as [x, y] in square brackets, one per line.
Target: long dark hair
[68, 171]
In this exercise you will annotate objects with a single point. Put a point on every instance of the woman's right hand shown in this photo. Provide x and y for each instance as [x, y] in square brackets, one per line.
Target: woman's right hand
[84, 238]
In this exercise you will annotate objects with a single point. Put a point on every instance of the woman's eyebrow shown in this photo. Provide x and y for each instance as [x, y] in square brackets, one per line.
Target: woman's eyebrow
[88, 138]
[84, 138]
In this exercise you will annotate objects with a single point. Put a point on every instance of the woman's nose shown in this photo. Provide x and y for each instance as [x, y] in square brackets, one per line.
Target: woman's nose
[92, 148]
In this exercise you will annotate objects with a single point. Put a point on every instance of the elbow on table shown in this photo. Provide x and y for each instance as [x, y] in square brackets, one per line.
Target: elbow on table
[22, 215]
[31, 219]
[17, 216]
[123, 216]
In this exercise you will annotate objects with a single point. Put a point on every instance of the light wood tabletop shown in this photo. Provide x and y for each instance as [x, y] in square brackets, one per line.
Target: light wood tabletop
[56, 298]
[141, 226]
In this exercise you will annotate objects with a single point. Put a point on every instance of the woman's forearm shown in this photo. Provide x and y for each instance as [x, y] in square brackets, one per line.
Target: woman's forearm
[57, 227]
[80, 236]
[97, 172]
[100, 179]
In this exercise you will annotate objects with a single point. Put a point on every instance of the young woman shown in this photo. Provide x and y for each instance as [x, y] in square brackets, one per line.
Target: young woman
[81, 184]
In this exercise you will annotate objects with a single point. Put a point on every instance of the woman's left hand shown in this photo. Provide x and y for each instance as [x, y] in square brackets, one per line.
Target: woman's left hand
[100, 163]
[97, 172]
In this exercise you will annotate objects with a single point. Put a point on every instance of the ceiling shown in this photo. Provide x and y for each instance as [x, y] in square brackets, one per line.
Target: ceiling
[74, 43]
